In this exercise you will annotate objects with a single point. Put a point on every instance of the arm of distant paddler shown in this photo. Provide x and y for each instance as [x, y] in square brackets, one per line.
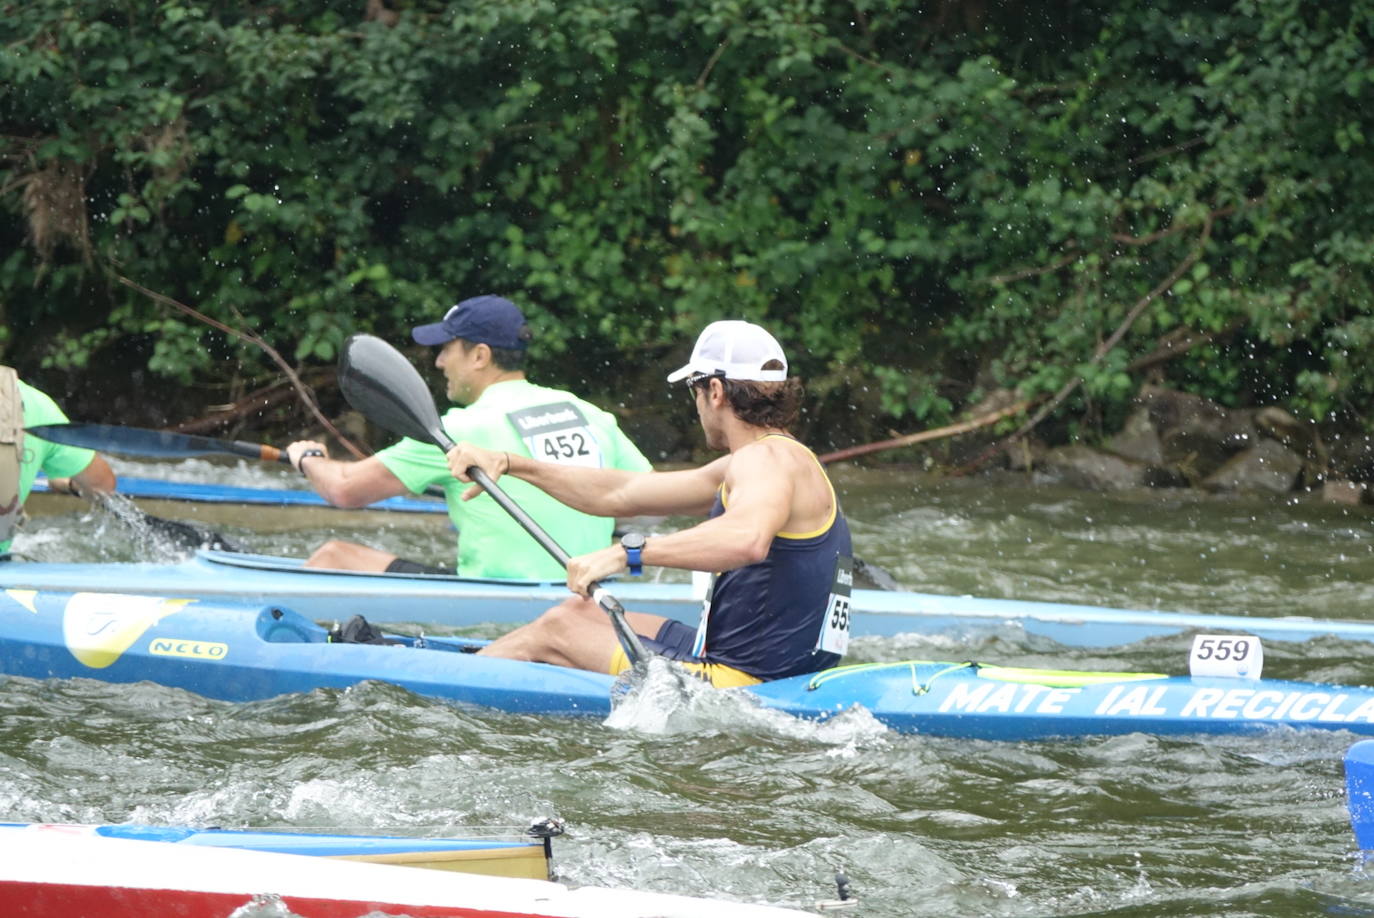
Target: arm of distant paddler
[344, 484]
[96, 477]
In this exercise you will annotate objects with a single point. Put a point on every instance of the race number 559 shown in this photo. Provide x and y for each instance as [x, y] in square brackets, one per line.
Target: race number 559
[1239, 656]
[834, 636]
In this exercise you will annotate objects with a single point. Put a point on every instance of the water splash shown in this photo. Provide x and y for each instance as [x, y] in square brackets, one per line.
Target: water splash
[663, 700]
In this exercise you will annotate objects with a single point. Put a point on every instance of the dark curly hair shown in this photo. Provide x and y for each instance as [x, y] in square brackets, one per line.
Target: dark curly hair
[765, 404]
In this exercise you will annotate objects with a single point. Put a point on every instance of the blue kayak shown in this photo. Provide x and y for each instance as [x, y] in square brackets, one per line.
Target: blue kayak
[245, 652]
[504, 856]
[457, 601]
[200, 492]
[1359, 786]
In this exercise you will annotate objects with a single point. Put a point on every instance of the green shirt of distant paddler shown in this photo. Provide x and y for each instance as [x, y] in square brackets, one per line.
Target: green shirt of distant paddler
[519, 417]
[482, 343]
[22, 457]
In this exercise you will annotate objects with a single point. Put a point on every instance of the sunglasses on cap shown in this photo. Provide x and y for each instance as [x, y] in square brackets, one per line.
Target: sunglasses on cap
[696, 379]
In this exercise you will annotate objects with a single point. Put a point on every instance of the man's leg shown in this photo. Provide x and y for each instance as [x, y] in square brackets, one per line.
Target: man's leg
[576, 633]
[349, 556]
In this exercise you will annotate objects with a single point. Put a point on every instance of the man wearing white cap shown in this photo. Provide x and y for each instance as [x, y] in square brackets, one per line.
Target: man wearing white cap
[774, 537]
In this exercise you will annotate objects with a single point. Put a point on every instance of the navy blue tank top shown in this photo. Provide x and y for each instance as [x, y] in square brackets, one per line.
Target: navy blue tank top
[765, 618]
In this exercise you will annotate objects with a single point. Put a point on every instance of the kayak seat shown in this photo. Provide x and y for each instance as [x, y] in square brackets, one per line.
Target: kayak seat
[357, 630]
[282, 626]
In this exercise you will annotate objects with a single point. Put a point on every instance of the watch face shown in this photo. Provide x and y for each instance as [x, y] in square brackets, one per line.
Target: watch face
[632, 540]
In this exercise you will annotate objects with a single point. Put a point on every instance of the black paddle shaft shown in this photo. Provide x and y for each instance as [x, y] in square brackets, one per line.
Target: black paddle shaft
[162, 444]
[379, 381]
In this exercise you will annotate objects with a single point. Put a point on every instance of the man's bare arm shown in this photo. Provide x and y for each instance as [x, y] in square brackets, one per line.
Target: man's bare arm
[759, 506]
[97, 476]
[346, 484]
[600, 492]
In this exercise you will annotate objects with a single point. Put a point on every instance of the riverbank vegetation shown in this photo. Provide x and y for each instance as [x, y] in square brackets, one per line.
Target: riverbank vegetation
[929, 205]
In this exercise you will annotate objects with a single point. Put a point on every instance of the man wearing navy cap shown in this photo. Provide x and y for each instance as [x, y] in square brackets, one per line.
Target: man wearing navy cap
[482, 343]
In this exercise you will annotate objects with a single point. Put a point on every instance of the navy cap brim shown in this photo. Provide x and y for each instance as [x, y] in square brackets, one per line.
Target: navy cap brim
[431, 335]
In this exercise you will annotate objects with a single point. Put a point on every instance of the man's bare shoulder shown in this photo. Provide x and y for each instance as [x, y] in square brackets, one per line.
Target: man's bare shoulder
[771, 455]
[778, 445]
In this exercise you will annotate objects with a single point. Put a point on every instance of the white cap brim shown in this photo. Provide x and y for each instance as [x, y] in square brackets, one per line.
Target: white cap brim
[679, 375]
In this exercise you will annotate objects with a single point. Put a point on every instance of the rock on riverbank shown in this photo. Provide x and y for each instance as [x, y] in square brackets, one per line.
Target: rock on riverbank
[1175, 439]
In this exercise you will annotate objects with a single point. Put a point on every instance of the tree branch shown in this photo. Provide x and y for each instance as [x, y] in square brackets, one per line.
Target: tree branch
[1023, 273]
[306, 395]
[711, 62]
[937, 433]
[1102, 349]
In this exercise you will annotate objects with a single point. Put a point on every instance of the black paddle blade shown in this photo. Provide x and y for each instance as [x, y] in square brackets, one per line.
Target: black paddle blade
[128, 441]
[177, 535]
[377, 380]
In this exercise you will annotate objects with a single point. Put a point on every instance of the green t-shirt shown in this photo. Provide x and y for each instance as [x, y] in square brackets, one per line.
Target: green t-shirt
[517, 416]
[55, 460]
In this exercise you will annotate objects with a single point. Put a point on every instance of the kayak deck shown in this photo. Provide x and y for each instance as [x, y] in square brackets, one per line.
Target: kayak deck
[453, 601]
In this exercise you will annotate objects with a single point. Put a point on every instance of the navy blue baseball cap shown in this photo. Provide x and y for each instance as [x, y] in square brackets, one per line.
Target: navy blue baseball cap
[491, 320]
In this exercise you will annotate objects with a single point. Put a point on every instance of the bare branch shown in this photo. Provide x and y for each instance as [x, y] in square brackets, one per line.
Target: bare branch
[937, 433]
[711, 63]
[1102, 349]
[1022, 274]
[306, 395]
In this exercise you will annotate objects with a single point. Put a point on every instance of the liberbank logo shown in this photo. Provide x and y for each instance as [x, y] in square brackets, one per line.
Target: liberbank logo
[191, 650]
[547, 417]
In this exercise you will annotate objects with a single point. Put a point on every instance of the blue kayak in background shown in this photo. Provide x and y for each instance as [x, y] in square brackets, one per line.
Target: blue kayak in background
[200, 492]
[452, 601]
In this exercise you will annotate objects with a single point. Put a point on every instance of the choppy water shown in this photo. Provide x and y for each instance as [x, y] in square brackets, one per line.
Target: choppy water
[707, 796]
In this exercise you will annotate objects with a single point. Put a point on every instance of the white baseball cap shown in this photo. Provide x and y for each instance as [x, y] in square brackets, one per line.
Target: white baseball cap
[734, 349]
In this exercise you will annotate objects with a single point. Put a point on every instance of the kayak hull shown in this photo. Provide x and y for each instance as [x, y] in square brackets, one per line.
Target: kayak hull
[70, 876]
[459, 602]
[242, 652]
[1359, 786]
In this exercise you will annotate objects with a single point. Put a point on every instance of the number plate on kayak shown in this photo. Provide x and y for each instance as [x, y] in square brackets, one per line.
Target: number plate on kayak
[1238, 656]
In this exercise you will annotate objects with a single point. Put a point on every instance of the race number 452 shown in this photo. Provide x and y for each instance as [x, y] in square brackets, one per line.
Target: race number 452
[1239, 656]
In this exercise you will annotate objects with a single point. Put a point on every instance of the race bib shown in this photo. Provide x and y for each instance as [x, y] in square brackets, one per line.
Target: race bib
[557, 433]
[709, 585]
[834, 636]
[1238, 656]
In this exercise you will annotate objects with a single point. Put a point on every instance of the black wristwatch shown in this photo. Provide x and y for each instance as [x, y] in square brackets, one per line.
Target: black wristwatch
[633, 543]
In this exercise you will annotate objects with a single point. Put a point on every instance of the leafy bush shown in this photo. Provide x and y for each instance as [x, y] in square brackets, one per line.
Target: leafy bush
[924, 203]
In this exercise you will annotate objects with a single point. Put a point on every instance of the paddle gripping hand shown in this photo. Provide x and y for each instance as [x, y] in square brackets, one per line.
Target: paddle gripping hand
[465, 456]
[302, 449]
[585, 570]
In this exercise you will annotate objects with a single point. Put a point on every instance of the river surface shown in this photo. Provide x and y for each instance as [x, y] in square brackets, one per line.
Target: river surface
[706, 796]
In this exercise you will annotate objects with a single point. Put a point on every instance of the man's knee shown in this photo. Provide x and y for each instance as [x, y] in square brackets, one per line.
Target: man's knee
[349, 556]
[568, 616]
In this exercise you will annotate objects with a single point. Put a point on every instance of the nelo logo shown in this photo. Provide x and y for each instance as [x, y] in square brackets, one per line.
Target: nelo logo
[193, 650]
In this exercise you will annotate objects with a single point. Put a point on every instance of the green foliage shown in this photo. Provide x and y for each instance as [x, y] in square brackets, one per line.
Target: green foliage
[931, 209]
